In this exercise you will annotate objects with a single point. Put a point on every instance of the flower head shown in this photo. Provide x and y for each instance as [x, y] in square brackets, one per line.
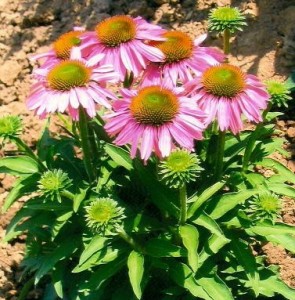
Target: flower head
[279, 93]
[122, 40]
[53, 182]
[104, 215]
[179, 168]
[183, 58]
[70, 84]
[61, 48]
[155, 117]
[10, 126]
[265, 206]
[224, 92]
[223, 18]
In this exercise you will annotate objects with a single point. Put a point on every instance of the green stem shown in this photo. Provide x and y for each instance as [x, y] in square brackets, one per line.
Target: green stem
[67, 194]
[183, 205]
[219, 155]
[22, 146]
[86, 148]
[128, 239]
[253, 139]
[226, 47]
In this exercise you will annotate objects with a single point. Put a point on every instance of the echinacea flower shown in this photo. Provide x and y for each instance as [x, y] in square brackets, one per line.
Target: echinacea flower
[70, 84]
[179, 168]
[122, 40]
[155, 117]
[183, 58]
[104, 216]
[224, 92]
[61, 48]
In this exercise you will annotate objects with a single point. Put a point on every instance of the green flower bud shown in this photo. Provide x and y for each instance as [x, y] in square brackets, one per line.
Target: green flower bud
[104, 216]
[266, 206]
[179, 168]
[53, 182]
[223, 18]
[279, 93]
[10, 126]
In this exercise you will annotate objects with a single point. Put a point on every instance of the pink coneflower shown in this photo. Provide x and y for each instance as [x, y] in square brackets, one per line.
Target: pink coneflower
[71, 83]
[224, 92]
[183, 58]
[121, 39]
[154, 118]
[61, 48]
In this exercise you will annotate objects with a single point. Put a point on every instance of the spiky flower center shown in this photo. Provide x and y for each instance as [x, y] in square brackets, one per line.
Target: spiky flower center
[101, 213]
[154, 106]
[179, 161]
[53, 181]
[276, 88]
[224, 80]
[116, 30]
[177, 46]
[67, 75]
[10, 126]
[63, 45]
[226, 14]
[269, 203]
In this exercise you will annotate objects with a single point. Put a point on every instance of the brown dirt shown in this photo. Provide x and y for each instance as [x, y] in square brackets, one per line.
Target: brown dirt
[265, 48]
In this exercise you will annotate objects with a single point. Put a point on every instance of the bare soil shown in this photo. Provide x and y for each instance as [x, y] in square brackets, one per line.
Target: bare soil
[266, 48]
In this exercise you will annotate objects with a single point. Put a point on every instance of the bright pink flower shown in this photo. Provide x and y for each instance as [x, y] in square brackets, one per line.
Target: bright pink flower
[224, 92]
[122, 40]
[72, 83]
[155, 118]
[183, 58]
[61, 48]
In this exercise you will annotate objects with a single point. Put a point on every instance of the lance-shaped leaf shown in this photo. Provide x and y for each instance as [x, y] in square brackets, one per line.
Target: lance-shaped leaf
[135, 265]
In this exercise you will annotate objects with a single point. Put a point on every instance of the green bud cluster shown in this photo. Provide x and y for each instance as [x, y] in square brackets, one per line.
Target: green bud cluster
[10, 126]
[226, 18]
[279, 93]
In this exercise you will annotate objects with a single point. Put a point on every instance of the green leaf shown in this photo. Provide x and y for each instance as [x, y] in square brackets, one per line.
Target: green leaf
[265, 228]
[60, 222]
[282, 189]
[96, 244]
[279, 168]
[286, 240]
[103, 273]
[135, 265]
[215, 287]
[207, 222]
[21, 187]
[79, 197]
[227, 202]
[190, 239]
[66, 249]
[201, 199]
[246, 259]
[58, 278]
[211, 247]
[272, 284]
[119, 156]
[163, 248]
[18, 165]
[184, 277]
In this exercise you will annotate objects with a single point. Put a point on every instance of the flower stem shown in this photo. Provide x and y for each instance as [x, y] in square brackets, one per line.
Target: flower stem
[128, 239]
[22, 146]
[183, 205]
[219, 155]
[86, 148]
[226, 45]
[67, 194]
